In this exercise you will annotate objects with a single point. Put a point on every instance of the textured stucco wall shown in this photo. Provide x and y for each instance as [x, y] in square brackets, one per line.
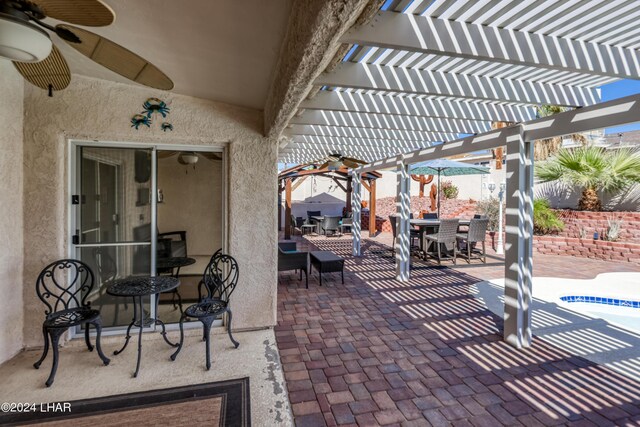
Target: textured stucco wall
[100, 110]
[11, 252]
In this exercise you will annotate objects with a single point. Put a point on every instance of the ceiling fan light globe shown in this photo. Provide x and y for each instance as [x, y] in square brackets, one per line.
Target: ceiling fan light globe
[23, 42]
[188, 158]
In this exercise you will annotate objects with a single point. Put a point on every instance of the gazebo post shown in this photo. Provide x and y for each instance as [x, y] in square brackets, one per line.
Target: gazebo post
[372, 208]
[287, 209]
[518, 259]
[357, 207]
[402, 231]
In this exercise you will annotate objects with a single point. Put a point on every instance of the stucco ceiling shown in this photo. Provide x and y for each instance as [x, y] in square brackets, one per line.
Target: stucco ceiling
[222, 50]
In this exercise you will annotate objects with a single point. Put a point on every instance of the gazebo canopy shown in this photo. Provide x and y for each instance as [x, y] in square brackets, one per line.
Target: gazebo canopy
[311, 169]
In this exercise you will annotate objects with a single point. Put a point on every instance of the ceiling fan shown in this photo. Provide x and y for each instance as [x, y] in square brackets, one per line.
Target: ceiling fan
[24, 39]
[336, 160]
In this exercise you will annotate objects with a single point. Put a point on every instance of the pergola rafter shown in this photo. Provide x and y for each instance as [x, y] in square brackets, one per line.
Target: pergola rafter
[426, 34]
[306, 131]
[301, 125]
[477, 87]
[416, 106]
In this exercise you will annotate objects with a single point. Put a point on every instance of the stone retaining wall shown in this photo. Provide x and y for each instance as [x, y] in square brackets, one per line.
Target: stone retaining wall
[585, 223]
[588, 248]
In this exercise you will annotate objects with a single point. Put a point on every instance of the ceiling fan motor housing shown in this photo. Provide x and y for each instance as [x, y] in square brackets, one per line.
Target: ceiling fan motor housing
[20, 40]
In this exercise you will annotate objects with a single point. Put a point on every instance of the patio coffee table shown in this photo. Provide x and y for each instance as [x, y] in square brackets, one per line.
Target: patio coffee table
[327, 262]
[137, 287]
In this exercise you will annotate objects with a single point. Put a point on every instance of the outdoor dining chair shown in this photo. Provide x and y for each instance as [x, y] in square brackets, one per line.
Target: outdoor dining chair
[413, 233]
[330, 225]
[476, 234]
[63, 286]
[446, 236]
[220, 279]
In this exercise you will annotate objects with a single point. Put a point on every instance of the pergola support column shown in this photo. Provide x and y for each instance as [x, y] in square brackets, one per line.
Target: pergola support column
[372, 208]
[287, 209]
[402, 222]
[356, 207]
[519, 242]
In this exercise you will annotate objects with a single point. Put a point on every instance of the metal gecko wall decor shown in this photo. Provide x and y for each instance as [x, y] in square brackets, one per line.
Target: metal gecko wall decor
[152, 106]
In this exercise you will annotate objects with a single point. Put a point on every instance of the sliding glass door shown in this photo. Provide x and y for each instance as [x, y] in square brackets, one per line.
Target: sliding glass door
[132, 205]
[114, 222]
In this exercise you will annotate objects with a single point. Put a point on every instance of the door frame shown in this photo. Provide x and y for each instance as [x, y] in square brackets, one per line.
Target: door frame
[72, 217]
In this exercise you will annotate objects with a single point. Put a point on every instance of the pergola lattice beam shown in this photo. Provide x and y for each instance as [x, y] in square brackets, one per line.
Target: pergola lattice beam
[377, 133]
[423, 82]
[459, 39]
[413, 106]
[618, 112]
[384, 121]
[347, 141]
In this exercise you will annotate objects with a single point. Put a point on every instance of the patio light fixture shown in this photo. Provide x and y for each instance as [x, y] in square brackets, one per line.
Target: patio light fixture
[22, 42]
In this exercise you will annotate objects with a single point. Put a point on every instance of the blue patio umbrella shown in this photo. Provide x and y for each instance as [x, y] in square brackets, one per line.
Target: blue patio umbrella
[447, 168]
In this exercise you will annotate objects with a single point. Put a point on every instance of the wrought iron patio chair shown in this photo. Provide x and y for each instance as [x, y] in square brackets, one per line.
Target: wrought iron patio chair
[476, 234]
[63, 286]
[201, 282]
[446, 236]
[220, 279]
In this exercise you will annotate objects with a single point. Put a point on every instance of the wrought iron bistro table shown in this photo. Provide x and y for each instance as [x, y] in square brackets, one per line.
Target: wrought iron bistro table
[174, 264]
[137, 287]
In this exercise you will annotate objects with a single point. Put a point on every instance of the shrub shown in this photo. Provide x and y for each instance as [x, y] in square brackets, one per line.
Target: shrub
[613, 229]
[449, 190]
[491, 209]
[593, 169]
[545, 219]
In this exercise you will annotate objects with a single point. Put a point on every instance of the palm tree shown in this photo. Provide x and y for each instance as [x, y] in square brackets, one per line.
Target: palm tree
[593, 169]
[545, 148]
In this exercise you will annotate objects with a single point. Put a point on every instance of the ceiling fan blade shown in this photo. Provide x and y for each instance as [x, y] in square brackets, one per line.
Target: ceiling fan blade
[118, 59]
[52, 73]
[351, 159]
[90, 13]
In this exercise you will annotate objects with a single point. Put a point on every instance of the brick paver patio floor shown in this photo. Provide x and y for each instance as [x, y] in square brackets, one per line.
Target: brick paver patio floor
[375, 351]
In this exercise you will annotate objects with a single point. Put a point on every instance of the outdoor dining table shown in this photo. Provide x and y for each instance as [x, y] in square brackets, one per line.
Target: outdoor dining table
[138, 287]
[424, 224]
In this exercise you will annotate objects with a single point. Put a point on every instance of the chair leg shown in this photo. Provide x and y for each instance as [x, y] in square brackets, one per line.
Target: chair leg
[55, 335]
[98, 325]
[235, 343]
[206, 323]
[468, 252]
[455, 255]
[87, 339]
[175, 354]
[46, 348]
[439, 254]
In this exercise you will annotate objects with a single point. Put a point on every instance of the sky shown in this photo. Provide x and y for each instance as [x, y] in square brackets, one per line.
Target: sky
[620, 89]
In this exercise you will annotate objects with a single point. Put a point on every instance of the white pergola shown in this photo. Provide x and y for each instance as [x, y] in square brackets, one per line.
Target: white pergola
[422, 73]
